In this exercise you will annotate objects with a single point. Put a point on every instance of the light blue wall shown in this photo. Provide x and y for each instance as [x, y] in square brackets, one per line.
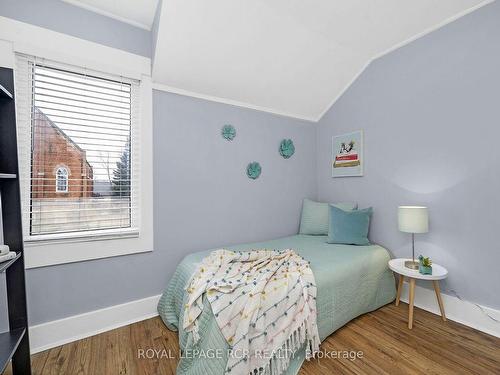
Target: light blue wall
[202, 194]
[72, 20]
[431, 115]
[202, 197]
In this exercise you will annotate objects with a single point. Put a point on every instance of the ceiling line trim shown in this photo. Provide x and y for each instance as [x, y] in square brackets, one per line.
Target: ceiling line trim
[401, 45]
[108, 14]
[433, 28]
[174, 90]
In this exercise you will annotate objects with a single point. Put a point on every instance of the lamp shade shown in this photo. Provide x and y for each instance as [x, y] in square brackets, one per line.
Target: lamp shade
[413, 219]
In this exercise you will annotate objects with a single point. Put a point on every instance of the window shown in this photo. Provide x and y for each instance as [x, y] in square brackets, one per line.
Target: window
[82, 136]
[71, 54]
[61, 180]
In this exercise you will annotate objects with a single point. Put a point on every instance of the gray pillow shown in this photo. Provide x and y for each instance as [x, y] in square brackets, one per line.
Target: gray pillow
[314, 219]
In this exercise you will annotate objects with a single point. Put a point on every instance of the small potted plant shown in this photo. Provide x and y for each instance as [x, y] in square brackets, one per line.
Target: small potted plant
[425, 265]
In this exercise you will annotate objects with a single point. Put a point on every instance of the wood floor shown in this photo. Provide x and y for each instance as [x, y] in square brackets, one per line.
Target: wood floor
[388, 347]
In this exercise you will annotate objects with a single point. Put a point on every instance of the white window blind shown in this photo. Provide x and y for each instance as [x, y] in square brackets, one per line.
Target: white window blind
[78, 150]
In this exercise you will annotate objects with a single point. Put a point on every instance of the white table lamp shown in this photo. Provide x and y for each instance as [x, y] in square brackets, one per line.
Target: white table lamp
[413, 219]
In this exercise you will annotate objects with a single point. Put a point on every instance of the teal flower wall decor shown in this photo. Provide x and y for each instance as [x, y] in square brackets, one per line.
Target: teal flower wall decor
[253, 170]
[228, 132]
[287, 149]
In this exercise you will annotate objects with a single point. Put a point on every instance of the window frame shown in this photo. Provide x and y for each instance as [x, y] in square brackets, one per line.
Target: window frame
[132, 228]
[90, 235]
[46, 250]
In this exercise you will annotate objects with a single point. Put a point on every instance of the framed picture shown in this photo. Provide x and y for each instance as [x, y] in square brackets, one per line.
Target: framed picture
[347, 155]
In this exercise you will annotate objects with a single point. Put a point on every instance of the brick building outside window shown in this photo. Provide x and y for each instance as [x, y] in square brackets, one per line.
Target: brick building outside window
[60, 167]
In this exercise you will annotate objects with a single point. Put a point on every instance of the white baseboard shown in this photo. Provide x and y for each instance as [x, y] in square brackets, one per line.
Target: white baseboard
[58, 332]
[455, 309]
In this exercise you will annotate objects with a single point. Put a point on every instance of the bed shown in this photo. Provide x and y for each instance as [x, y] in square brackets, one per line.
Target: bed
[351, 280]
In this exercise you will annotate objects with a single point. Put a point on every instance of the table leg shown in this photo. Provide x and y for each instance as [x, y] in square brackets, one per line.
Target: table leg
[411, 298]
[400, 288]
[438, 296]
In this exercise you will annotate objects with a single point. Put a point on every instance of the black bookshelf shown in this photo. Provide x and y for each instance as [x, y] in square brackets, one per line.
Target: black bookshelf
[14, 344]
[8, 263]
[4, 93]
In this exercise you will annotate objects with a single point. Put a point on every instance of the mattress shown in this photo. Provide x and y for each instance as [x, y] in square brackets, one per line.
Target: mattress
[351, 280]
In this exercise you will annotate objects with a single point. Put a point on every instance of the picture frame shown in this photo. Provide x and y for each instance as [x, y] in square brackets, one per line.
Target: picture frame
[348, 155]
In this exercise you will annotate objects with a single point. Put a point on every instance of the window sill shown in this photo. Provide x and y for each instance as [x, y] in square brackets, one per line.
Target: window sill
[99, 235]
[52, 249]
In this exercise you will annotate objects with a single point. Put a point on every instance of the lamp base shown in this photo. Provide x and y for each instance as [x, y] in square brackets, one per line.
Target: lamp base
[411, 264]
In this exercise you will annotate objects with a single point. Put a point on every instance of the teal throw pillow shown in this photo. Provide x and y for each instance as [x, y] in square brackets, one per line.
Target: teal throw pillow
[349, 227]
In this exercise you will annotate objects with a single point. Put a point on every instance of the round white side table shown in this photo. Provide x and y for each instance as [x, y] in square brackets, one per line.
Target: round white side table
[438, 273]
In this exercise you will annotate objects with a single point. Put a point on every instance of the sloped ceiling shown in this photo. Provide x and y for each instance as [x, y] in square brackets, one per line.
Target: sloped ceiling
[291, 57]
[139, 13]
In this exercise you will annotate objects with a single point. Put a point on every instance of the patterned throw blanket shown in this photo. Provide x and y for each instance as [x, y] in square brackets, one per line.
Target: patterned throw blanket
[264, 302]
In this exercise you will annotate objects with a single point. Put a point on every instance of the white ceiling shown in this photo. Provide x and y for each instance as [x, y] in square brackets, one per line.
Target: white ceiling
[139, 13]
[292, 57]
